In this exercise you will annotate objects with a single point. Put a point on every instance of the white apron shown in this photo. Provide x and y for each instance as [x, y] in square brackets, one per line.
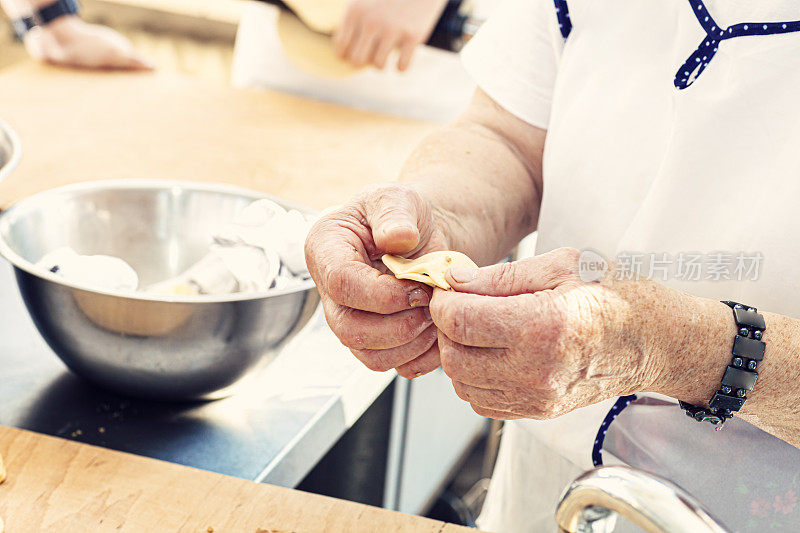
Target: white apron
[633, 164]
[435, 87]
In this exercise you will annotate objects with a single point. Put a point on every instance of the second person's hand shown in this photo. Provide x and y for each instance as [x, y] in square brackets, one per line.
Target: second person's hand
[373, 28]
[71, 42]
[383, 320]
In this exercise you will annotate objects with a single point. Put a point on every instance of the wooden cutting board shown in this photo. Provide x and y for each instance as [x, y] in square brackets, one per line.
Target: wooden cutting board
[79, 126]
[65, 486]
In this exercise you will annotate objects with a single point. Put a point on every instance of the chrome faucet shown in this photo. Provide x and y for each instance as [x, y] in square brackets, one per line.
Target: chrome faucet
[652, 503]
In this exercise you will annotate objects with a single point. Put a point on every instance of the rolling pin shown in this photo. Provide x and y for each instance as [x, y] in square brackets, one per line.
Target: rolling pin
[455, 27]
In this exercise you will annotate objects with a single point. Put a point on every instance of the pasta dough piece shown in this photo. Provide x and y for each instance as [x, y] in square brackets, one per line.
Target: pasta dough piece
[429, 269]
[311, 51]
[101, 271]
[323, 16]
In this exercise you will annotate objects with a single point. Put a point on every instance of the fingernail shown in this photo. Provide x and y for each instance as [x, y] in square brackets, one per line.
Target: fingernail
[418, 298]
[399, 227]
[463, 274]
[427, 313]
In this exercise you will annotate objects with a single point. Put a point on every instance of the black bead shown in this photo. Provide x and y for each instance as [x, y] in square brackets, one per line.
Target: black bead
[739, 378]
[740, 393]
[752, 365]
[747, 347]
[726, 389]
[757, 335]
[744, 332]
[737, 361]
[748, 318]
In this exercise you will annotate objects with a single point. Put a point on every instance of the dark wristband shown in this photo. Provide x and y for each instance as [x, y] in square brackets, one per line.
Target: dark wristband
[740, 376]
[44, 16]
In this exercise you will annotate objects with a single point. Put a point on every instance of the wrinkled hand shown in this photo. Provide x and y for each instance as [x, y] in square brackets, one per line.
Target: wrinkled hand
[529, 339]
[373, 28]
[71, 42]
[384, 321]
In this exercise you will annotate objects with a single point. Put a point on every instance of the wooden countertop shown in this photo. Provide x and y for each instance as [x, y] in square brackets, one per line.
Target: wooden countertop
[80, 126]
[65, 486]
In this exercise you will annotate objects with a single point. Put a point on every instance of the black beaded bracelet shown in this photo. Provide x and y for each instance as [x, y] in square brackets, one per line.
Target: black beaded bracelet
[740, 376]
[45, 15]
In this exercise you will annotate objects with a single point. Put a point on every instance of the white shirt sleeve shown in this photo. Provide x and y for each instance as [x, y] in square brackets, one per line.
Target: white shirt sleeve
[514, 58]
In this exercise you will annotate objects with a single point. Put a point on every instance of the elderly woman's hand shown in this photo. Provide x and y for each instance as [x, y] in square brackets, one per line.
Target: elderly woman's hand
[531, 340]
[384, 321]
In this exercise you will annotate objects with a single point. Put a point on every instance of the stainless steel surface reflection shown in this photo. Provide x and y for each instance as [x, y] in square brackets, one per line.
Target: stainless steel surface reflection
[162, 347]
[650, 502]
[10, 150]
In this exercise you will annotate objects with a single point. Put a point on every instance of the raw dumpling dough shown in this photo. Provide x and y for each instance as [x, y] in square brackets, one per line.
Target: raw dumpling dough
[225, 270]
[429, 269]
[267, 225]
[323, 16]
[311, 51]
[101, 271]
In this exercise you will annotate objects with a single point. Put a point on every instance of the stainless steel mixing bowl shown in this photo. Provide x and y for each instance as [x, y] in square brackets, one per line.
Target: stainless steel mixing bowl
[162, 347]
[10, 150]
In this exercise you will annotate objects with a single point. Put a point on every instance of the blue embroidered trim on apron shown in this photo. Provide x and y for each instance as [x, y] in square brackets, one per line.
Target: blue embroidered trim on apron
[621, 403]
[562, 13]
[698, 61]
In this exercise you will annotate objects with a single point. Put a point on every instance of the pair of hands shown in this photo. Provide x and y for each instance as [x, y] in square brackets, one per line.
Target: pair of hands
[372, 29]
[526, 339]
[71, 42]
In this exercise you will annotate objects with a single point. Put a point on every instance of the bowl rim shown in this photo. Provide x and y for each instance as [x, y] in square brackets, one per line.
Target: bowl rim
[16, 149]
[144, 184]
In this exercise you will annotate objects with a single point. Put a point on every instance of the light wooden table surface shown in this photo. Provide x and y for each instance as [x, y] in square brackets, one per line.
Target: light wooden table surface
[65, 486]
[79, 126]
